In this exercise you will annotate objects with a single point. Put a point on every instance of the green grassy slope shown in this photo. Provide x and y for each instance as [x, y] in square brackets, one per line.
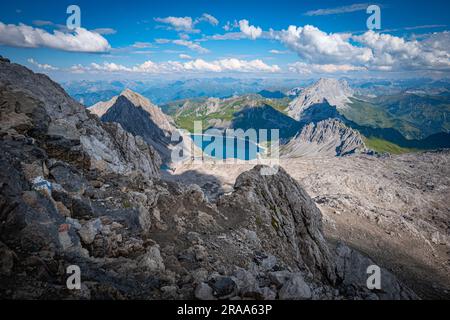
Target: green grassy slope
[383, 146]
[185, 112]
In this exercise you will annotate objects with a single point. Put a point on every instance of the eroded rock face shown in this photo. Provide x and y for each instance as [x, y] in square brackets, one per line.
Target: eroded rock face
[352, 269]
[121, 152]
[284, 218]
[329, 137]
[140, 117]
[74, 191]
[37, 106]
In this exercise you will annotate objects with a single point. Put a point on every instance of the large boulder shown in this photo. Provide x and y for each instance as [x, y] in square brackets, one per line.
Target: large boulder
[352, 269]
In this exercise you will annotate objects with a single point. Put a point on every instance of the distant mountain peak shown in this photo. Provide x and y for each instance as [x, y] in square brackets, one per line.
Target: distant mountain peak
[139, 116]
[137, 100]
[127, 91]
[336, 92]
[331, 81]
[330, 137]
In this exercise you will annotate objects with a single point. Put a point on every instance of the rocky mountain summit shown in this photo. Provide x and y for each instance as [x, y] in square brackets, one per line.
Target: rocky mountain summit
[139, 116]
[329, 137]
[77, 191]
[335, 92]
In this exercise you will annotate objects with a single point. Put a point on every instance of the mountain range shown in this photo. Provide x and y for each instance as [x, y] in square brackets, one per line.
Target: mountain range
[162, 91]
[79, 191]
[403, 122]
[393, 116]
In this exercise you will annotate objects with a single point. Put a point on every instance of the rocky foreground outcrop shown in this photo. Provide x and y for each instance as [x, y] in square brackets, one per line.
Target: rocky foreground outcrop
[34, 105]
[76, 191]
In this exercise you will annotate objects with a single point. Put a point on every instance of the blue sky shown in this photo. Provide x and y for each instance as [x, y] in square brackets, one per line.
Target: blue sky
[170, 38]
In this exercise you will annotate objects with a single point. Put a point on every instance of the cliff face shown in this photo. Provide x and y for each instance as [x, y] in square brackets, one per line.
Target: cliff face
[65, 127]
[329, 137]
[138, 116]
[75, 191]
[286, 220]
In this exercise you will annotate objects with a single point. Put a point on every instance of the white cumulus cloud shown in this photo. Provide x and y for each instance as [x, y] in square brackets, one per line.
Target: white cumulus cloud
[187, 24]
[326, 53]
[316, 46]
[81, 40]
[397, 54]
[109, 67]
[250, 31]
[247, 66]
[307, 68]
[42, 66]
[184, 24]
[191, 66]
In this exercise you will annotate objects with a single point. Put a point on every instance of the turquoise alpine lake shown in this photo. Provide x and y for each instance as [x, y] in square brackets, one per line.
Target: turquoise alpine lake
[223, 147]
